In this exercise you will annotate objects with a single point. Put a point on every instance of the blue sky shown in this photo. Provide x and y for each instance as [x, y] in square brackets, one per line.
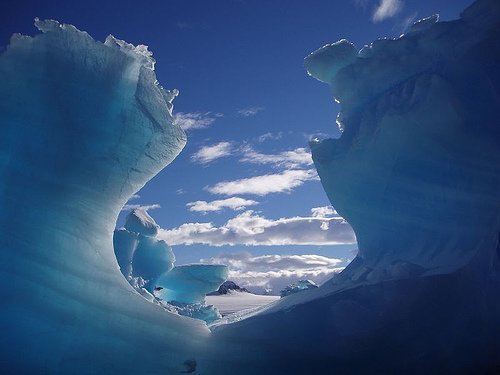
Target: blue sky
[243, 191]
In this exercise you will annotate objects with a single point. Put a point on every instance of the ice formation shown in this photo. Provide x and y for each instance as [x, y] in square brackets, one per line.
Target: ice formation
[416, 172]
[299, 286]
[84, 126]
[190, 283]
[148, 264]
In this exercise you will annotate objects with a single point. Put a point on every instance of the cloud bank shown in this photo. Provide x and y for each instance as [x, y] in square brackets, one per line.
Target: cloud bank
[234, 203]
[252, 229]
[297, 158]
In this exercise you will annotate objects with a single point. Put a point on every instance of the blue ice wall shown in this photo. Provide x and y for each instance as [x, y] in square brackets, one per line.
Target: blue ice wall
[416, 171]
[84, 126]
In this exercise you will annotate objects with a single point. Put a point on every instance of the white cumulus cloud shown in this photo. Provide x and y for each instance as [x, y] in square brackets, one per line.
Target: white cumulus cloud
[195, 120]
[386, 9]
[250, 228]
[207, 154]
[290, 159]
[234, 203]
[265, 184]
[273, 272]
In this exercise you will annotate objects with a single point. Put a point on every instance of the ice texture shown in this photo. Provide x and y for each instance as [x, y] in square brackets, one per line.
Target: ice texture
[84, 126]
[202, 311]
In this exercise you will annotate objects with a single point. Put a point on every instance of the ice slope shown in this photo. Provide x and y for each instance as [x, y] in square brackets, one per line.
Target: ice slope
[84, 125]
[234, 301]
[416, 173]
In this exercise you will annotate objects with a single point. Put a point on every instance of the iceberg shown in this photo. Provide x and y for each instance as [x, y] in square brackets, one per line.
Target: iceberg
[84, 126]
[416, 173]
[416, 169]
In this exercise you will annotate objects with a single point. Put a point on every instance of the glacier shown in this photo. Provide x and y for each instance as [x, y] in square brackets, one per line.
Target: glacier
[416, 173]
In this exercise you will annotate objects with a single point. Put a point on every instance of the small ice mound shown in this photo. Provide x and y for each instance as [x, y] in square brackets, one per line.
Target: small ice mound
[300, 286]
[201, 311]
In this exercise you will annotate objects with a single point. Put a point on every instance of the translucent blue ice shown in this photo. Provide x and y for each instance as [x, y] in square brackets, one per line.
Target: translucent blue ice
[84, 126]
[190, 283]
[148, 264]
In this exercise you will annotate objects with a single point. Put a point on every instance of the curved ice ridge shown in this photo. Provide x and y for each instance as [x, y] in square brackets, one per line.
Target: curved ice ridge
[416, 171]
[84, 126]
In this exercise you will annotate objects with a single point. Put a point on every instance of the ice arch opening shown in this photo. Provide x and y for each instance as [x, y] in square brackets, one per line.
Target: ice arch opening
[71, 311]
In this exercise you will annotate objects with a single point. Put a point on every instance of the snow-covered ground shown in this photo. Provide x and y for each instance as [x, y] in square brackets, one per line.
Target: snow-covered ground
[237, 301]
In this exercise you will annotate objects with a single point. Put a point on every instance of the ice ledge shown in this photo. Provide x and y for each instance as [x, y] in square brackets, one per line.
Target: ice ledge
[139, 52]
